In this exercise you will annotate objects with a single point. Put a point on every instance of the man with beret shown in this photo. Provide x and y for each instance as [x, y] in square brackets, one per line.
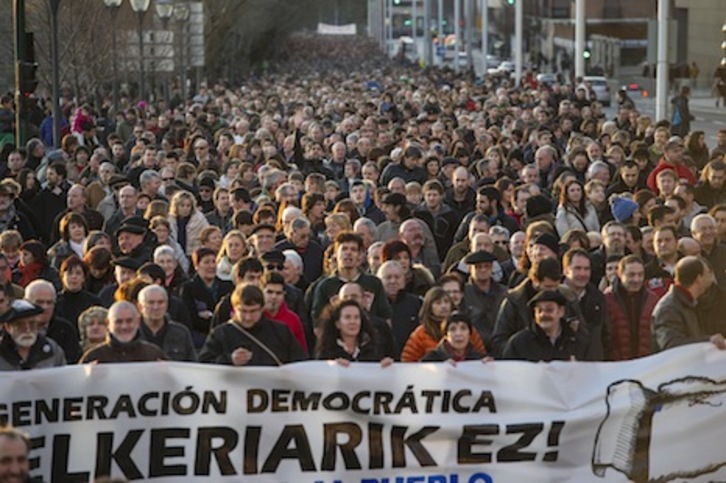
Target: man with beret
[263, 238]
[124, 270]
[41, 293]
[513, 316]
[110, 203]
[22, 347]
[549, 338]
[130, 238]
[482, 295]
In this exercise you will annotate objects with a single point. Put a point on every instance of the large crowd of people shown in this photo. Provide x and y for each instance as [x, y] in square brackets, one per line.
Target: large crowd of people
[342, 206]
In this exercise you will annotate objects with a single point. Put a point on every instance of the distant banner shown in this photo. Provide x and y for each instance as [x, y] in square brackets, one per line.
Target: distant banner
[328, 29]
[655, 419]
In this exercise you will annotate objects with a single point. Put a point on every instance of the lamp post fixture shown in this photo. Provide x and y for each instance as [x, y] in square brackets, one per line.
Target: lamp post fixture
[113, 6]
[140, 7]
[165, 10]
[181, 16]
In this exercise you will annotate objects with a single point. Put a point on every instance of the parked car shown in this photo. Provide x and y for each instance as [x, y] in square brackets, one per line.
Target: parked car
[600, 86]
[546, 79]
[506, 66]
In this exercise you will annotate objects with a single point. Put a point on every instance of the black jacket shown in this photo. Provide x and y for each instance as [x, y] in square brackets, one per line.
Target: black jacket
[482, 307]
[312, 257]
[515, 315]
[47, 205]
[44, 353]
[138, 350]
[369, 350]
[66, 335]
[174, 339]
[197, 298]
[71, 304]
[405, 317]
[276, 336]
[532, 344]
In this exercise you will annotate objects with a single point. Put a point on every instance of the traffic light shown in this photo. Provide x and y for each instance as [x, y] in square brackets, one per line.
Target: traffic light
[28, 78]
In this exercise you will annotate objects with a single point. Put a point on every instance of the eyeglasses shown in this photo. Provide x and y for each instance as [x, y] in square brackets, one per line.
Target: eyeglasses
[274, 267]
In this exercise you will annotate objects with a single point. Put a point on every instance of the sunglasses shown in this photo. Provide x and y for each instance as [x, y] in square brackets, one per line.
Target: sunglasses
[167, 179]
[274, 267]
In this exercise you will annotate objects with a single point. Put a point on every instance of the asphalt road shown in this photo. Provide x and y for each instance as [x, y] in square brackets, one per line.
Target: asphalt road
[709, 119]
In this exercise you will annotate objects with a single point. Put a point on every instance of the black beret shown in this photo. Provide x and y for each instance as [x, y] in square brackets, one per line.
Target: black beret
[548, 296]
[274, 256]
[20, 309]
[126, 262]
[131, 228]
[479, 257]
[262, 226]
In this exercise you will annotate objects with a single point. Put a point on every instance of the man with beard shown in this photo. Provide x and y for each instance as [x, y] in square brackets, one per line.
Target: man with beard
[14, 461]
[41, 293]
[22, 347]
[460, 196]
[613, 243]
[124, 342]
[488, 199]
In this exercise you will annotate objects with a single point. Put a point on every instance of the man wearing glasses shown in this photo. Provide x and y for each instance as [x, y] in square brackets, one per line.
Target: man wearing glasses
[22, 346]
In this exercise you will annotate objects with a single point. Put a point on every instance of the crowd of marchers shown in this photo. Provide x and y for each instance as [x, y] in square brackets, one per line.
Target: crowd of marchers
[344, 207]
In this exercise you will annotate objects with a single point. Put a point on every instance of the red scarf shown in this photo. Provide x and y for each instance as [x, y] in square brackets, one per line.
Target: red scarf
[29, 273]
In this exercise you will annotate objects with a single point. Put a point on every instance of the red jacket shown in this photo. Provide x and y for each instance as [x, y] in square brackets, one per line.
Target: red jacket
[292, 321]
[620, 326]
[681, 170]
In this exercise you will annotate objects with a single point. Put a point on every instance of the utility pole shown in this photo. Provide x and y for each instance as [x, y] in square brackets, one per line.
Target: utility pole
[414, 30]
[469, 14]
[21, 115]
[579, 38]
[440, 21]
[485, 31]
[55, 68]
[661, 74]
[518, 44]
[457, 33]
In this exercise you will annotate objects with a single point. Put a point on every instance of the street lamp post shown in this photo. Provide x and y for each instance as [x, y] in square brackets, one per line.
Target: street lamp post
[113, 6]
[55, 71]
[181, 15]
[140, 7]
[165, 10]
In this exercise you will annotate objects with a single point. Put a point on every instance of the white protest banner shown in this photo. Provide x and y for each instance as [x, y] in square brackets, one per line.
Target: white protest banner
[655, 419]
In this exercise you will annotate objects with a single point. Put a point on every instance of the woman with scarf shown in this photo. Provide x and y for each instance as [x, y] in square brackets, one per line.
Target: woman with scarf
[456, 344]
[34, 265]
[73, 231]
